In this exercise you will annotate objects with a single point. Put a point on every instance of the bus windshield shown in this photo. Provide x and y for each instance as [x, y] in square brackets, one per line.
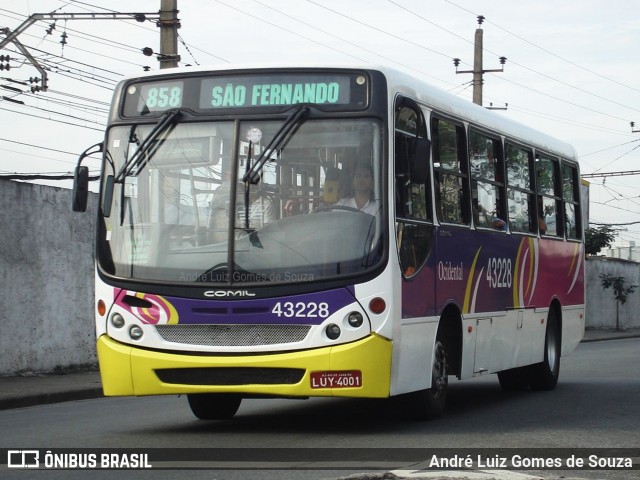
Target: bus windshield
[312, 210]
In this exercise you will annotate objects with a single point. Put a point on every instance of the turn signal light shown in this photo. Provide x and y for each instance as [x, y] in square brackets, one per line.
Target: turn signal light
[377, 305]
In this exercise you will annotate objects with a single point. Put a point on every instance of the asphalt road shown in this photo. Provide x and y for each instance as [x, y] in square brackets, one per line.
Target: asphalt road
[596, 405]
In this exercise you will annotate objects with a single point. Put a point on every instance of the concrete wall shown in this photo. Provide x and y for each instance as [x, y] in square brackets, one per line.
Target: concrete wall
[47, 294]
[46, 280]
[601, 304]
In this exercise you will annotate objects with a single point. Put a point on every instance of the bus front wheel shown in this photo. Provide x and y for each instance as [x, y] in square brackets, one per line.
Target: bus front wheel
[214, 406]
[429, 404]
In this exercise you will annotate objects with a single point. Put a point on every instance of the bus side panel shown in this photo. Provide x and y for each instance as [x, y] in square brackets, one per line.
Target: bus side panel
[503, 285]
[494, 271]
[573, 319]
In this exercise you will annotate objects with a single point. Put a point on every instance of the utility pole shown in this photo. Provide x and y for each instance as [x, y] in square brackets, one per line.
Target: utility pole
[478, 71]
[169, 25]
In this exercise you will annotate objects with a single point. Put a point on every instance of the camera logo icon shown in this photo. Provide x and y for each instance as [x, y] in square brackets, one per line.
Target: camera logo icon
[23, 459]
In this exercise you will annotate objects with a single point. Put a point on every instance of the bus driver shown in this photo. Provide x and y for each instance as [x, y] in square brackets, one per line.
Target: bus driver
[362, 185]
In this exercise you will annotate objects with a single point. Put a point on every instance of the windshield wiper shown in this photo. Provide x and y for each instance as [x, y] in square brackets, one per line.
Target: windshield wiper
[278, 142]
[148, 146]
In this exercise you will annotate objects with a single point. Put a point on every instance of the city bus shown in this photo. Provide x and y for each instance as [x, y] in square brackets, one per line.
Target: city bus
[337, 231]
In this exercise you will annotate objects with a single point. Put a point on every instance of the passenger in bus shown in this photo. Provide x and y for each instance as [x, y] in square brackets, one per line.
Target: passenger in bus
[542, 225]
[484, 218]
[362, 191]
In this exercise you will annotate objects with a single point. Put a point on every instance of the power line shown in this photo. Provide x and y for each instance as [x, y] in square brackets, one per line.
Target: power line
[51, 119]
[562, 99]
[448, 56]
[618, 158]
[67, 115]
[610, 148]
[548, 51]
[286, 30]
[380, 30]
[325, 32]
[38, 146]
[555, 118]
[511, 61]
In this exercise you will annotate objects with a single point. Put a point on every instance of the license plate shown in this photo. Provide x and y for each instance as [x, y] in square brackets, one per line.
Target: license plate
[337, 379]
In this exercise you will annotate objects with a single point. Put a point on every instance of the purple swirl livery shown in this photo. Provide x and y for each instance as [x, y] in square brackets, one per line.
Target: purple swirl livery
[307, 309]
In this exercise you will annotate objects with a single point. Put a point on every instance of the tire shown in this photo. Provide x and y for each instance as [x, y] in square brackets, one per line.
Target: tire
[544, 375]
[214, 406]
[429, 403]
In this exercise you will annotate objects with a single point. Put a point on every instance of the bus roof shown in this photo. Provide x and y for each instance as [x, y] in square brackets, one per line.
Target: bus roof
[424, 93]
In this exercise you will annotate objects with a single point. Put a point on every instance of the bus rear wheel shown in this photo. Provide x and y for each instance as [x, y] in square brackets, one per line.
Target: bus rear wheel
[544, 375]
[429, 403]
[214, 406]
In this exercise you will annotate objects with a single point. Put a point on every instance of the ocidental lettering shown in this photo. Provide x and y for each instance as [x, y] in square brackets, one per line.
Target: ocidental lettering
[449, 272]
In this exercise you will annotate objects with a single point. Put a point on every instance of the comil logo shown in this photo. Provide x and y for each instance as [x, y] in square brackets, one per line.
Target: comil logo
[23, 459]
[228, 293]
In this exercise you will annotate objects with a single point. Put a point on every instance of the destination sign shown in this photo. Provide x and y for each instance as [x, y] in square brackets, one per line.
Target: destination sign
[267, 91]
[223, 93]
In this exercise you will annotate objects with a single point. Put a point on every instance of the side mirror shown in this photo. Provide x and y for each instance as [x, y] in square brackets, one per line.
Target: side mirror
[80, 191]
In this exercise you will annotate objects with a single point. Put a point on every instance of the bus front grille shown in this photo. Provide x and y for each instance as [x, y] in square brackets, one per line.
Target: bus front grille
[233, 335]
[231, 376]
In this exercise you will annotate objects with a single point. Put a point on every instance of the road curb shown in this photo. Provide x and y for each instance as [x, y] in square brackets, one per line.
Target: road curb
[48, 398]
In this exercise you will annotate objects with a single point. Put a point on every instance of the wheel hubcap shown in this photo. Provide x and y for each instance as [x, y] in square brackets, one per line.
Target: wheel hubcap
[552, 349]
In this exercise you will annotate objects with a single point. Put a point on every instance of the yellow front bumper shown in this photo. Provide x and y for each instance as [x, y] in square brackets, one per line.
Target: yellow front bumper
[127, 370]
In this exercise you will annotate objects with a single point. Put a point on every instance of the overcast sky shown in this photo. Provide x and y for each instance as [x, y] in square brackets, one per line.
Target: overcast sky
[572, 68]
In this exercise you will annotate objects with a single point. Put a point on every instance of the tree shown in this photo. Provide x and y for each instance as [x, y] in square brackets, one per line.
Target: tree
[620, 291]
[597, 238]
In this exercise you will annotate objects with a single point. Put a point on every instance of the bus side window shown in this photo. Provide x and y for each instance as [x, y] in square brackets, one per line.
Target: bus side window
[520, 194]
[487, 187]
[571, 197]
[450, 172]
[548, 206]
[413, 197]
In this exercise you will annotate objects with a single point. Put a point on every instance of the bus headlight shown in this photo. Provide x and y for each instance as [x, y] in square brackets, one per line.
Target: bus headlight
[117, 320]
[333, 331]
[355, 319]
[135, 332]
